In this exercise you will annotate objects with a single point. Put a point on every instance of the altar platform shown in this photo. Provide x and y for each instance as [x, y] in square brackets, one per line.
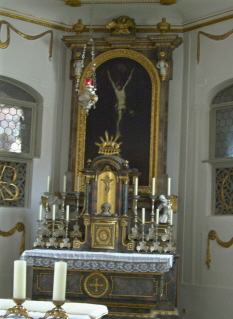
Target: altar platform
[137, 285]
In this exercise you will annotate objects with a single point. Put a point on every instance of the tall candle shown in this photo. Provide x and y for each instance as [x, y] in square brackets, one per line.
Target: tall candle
[64, 184]
[169, 186]
[67, 212]
[78, 183]
[48, 183]
[59, 281]
[53, 212]
[171, 217]
[157, 216]
[136, 186]
[153, 186]
[19, 287]
[143, 215]
[40, 213]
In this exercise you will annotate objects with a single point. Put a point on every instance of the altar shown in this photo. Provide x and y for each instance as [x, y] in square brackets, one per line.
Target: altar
[129, 284]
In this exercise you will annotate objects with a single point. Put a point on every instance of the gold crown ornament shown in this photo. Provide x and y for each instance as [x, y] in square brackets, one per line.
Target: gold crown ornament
[109, 146]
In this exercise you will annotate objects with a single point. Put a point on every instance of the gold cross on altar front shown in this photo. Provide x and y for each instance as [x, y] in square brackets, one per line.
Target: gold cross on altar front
[96, 285]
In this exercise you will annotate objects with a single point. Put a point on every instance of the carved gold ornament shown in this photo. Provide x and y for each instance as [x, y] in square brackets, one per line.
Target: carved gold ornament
[109, 146]
[72, 3]
[6, 192]
[210, 36]
[121, 26]
[212, 236]
[20, 228]
[96, 285]
[4, 45]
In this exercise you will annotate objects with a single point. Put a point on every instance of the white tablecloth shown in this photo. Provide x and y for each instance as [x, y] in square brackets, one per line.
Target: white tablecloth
[134, 262]
[76, 310]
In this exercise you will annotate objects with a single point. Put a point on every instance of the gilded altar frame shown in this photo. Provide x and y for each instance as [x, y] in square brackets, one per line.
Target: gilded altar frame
[153, 144]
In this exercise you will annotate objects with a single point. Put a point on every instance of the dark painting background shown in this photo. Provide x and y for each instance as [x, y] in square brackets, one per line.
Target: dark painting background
[135, 129]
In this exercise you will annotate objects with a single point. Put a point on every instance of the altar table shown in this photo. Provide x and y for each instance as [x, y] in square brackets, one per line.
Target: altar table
[74, 310]
[130, 284]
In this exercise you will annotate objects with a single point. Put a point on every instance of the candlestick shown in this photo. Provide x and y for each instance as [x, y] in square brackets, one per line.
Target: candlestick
[171, 217]
[48, 183]
[78, 183]
[40, 213]
[153, 186]
[19, 287]
[168, 186]
[53, 212]
[135, 186]
[157, 216]
[143, 215]
[59, 281]
[67, 212]
[64, 184]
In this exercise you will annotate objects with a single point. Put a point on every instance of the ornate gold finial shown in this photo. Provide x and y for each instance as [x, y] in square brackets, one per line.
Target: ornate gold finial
[167, 2]
[163, 26]
[121, 26]
[109, 146]
[79, 27]
[73, 3]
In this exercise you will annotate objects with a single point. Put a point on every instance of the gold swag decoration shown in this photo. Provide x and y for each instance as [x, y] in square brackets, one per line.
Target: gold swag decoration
[210, 36]
[4, 45]
[212, 236]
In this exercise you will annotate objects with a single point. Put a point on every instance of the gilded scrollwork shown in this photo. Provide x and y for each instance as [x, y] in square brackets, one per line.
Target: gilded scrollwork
[8, 190]
[4, 45]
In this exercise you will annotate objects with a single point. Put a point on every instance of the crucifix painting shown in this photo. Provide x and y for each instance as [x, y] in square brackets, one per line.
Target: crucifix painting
[124, 107]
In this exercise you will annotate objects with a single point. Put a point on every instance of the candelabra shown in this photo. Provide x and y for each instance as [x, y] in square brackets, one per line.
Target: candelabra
[65, 242]
[52, 240]
[39, 240]
[134, 230]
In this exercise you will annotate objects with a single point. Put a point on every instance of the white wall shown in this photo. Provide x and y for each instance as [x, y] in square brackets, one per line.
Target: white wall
[27, 61]
[203, 293]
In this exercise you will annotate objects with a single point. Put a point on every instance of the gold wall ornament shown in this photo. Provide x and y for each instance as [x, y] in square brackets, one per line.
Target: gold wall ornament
[167, 2]
[122, 26]
[223, 197]
[210, 36]
[4, 45]
[8, 190]
[20, 228]
[73, 3]
[212, 236]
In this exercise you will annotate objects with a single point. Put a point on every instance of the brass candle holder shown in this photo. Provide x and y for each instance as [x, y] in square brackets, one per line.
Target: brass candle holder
[17, 310]
[56, 312]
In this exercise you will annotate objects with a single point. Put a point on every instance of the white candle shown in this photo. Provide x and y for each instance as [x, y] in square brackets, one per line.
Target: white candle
[64, 184]
[19, 288]
[135, 186]
[78, 183]
[40, 213]
[67, 212]
[169, 186]
[53, 212]
[48, 183]
[59, 281]
[143, 215]
[157, 216]
[153, 186]
[171, 217]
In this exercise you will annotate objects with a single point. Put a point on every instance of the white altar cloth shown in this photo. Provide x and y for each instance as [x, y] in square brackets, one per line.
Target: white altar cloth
[134, 262]
[73, 309]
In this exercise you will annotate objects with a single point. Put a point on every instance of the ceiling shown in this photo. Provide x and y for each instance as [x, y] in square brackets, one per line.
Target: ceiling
[183, 14]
